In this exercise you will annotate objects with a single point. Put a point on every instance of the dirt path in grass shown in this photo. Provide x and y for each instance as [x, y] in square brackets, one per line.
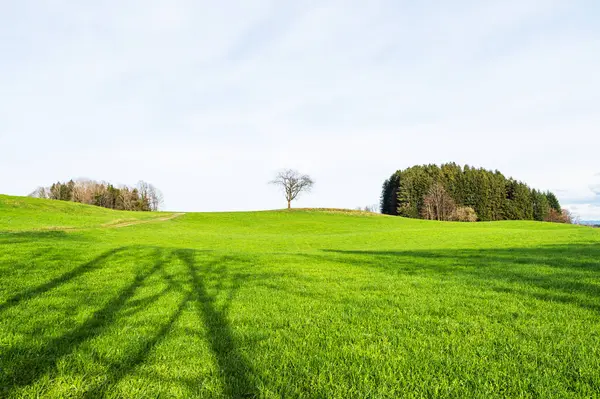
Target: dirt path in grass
[103, 226]
[135, 222]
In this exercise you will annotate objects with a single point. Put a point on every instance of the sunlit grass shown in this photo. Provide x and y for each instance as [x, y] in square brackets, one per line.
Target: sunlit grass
[298, 304]
[22, 214]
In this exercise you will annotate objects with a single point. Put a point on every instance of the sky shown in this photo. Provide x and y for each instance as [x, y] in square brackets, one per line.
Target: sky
[208, 100]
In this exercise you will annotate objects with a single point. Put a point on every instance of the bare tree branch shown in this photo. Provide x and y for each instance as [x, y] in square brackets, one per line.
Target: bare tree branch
[292, 183]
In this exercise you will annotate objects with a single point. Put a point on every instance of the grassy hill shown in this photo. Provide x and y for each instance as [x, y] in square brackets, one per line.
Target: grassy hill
[21, 213]
[293, 304]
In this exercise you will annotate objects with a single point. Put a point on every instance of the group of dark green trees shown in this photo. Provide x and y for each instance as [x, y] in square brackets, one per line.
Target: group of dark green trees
[143, 197]
[452, 192]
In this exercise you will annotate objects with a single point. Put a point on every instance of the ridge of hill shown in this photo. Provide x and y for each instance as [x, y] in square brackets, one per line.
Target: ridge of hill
[24, 213]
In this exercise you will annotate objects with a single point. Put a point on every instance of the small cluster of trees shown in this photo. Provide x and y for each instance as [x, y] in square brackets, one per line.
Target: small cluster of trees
[374, 208]
[143, 197]
[439, 205]
[452, 192]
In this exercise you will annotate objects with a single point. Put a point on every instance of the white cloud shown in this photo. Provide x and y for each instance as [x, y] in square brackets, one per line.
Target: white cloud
[348, 91]
[585, 211]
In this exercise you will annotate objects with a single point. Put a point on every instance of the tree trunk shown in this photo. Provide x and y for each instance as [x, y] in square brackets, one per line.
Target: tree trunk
[289, 204]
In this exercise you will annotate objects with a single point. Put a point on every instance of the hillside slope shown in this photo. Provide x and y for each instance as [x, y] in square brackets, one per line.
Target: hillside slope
[23, 213]
[296, 304]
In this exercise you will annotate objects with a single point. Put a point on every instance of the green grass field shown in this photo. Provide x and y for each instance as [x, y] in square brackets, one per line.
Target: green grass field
[23, 214]
[313, 304]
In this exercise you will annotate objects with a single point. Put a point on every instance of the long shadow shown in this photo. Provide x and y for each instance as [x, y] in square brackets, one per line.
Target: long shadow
[23, 366]
[503, 268]
[18, 237]
[580, 256]
[117, 371]
[236, 371]
[58, 281]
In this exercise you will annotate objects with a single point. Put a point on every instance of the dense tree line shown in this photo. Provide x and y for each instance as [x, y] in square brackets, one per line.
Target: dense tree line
[143, 197]
[452, 192]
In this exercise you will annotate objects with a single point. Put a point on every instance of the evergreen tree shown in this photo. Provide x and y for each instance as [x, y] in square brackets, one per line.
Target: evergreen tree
[389, 194]
[553, 201]
[491, 195]
[541, 206]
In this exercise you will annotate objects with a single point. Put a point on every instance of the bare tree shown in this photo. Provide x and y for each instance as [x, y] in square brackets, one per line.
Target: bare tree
[565, 216]
[293, 183]
[369, 208]
[84, 191]
[569, 217]
[143, 190]
[437, 204]
[156, 197]
[39, 192]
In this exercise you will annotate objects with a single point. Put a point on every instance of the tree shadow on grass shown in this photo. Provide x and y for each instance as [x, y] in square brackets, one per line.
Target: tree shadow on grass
[20, 237]
[117, 371]
[235, 370]
[567, 275]
[209, 286]
[59, 280]
[22, 367]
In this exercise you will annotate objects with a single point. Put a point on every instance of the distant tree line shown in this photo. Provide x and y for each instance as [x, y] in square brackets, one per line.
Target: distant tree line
[374, 208]
[143, 197]
[452, 192]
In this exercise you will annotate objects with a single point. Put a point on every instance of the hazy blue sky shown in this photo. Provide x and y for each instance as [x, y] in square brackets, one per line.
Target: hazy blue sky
[207, 100]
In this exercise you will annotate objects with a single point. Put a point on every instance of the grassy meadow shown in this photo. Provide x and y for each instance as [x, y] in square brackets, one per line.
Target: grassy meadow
[26, 214]
[299, 304]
